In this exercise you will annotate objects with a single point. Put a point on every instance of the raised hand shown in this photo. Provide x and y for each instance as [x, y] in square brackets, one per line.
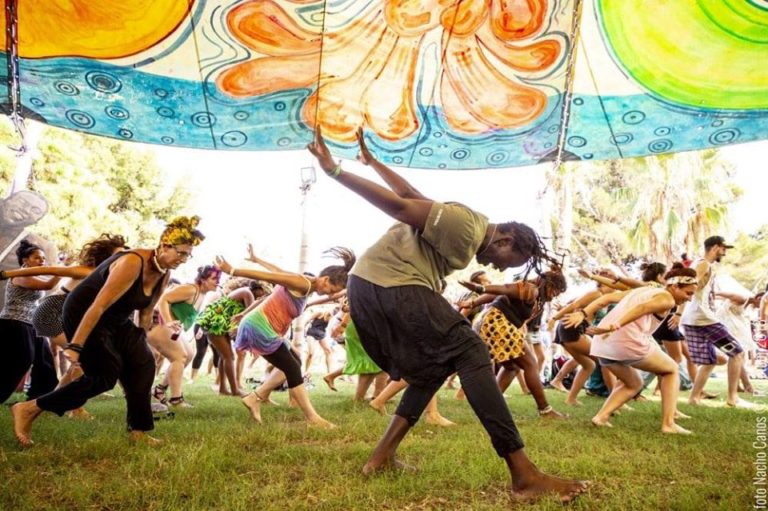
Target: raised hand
[364, 156]
[573, 319]
[223, 265]
[320, 151]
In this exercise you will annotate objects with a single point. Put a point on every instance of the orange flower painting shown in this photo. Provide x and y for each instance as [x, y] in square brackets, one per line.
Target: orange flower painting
[365, 67]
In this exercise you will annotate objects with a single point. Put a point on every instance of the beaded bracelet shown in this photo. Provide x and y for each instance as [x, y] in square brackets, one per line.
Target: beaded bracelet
[336, 171]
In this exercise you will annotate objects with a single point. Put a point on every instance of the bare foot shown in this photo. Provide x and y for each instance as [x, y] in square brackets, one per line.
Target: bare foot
[239, 393]
[331, 382]
[141, 437]
[601, 423]
[23, 415]
[742, 404]
[267, 400]
[253, 403]
[543, 484]
[552, 414]
[224, 392]
[640, 398]
[292, 402]
[695, 401]
[372, 467]
[680, 415]
[80, 414]
[558, 385]
[438, 420]
[319, 422]
[575, 402]
[710, 395]
[675, 430]
[626, 408]
[379, 407]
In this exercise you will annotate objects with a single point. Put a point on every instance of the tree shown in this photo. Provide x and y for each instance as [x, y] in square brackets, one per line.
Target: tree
[95, 185]
[654, 207]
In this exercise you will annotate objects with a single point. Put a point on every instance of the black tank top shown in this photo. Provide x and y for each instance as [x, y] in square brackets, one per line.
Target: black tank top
[80, 298]
[517, 312]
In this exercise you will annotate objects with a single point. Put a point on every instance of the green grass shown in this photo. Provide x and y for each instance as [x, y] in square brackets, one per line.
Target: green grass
[215, 458]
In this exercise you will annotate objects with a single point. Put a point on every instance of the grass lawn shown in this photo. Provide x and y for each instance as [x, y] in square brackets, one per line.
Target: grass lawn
[214, 457]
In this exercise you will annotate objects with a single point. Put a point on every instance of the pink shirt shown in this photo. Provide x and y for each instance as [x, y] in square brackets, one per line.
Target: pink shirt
[632, 341]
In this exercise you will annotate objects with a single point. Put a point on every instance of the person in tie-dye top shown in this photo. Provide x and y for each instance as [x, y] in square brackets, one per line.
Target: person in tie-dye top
[263, 329]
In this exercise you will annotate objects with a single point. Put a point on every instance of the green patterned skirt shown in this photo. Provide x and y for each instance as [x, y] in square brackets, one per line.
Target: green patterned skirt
[216, 319]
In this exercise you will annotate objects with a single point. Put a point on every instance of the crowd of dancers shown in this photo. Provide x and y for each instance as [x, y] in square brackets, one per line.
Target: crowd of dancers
[117, 316]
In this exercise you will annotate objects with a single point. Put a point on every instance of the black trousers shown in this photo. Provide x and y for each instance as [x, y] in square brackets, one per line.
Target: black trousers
[112, 353]
[415, 333]
[287, 361]
[17, 340]
[43, 378]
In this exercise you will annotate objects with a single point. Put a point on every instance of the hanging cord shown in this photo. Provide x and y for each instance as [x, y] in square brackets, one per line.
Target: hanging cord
[14, 87]
[565, 115]
[320, 64]
[565, 111]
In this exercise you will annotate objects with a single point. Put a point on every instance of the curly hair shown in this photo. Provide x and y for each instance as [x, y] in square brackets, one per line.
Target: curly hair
[182, 230]
[338, 274]
[100, 249]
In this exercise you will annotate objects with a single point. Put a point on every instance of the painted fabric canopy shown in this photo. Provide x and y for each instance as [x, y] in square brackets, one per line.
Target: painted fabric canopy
[457, 84]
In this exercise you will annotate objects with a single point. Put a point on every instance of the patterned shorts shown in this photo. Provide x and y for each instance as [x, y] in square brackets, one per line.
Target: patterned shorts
[504, 340]
[702, 341]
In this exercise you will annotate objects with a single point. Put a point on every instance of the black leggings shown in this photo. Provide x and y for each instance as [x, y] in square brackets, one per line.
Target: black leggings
[289, 363]
[202, 347]
[18, 350]
[479, 384]
[116, 352]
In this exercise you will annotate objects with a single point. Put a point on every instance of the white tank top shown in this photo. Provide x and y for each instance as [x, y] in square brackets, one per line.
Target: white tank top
[700, 310]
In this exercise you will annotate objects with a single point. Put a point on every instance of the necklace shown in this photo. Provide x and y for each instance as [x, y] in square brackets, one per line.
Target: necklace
[490, 240]
[157, 263]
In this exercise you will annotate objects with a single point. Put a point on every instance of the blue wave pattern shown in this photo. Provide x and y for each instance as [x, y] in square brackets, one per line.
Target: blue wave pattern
[124, 103]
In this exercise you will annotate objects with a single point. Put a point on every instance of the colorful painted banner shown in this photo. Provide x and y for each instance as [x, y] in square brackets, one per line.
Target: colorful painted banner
[434, 83]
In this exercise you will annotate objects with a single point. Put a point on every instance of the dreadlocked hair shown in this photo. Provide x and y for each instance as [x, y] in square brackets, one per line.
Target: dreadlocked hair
[100, 249]
[551, 280]
[338, 274]
[525, 241]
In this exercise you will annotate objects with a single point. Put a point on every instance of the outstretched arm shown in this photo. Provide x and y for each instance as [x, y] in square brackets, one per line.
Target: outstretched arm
[413, 212]
[291, 281]
[73, 272]
[659, 304]
[395, 181]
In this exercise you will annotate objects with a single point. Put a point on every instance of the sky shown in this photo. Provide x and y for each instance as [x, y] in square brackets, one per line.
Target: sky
[255, 197]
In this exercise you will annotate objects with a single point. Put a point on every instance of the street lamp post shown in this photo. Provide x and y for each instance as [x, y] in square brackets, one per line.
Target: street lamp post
[308, 178]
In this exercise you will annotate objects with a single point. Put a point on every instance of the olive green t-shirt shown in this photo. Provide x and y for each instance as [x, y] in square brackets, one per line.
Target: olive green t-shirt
[404, 256]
